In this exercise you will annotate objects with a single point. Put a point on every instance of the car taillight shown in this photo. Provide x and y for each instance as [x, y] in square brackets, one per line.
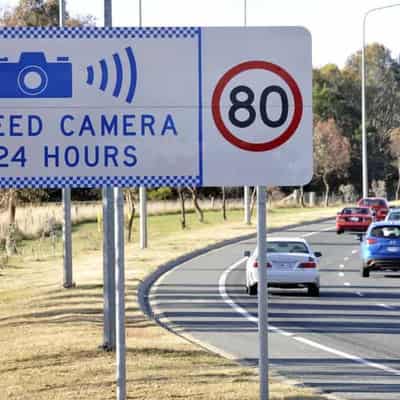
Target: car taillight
[371, 241]
[255, 264]
[309, 264]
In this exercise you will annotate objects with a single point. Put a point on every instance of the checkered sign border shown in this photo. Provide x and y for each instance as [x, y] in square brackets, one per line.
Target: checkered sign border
[93, 181]
[92, 32]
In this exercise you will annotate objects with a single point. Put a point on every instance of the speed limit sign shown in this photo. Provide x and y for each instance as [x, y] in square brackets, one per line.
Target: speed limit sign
[260, 117]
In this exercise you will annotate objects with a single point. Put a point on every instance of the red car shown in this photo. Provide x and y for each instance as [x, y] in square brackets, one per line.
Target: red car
[354, 219]
[378, 204]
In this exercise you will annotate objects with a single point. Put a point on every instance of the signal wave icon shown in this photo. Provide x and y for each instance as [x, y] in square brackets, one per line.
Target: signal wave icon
[119, 75]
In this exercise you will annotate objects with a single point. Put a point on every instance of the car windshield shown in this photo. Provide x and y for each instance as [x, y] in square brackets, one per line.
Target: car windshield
[387, 232]
[355, 210]
[394, 216]
[373, 203]
[286, 247]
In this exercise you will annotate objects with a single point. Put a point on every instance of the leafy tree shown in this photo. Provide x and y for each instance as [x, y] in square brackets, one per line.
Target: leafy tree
[39, 13]
[395, 151]
[331, 153]
[382, 104]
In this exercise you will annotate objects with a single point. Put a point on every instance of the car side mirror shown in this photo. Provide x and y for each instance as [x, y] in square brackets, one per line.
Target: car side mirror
[318, 254]
[246, 253]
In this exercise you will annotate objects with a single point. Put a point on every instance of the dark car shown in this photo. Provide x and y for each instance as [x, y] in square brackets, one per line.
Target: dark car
[378, 204]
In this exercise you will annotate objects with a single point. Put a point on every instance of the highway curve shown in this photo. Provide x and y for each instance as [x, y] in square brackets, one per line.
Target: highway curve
[346, 342]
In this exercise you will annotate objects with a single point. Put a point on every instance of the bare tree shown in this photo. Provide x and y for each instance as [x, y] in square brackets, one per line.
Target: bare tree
[253, 200]
[195, 199]
[131, 197]
[224, 203]
[181, 195]
[331, 153]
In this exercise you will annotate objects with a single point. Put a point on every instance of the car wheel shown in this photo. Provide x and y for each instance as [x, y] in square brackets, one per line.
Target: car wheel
[313, 290]
[252, 290]
[364, 272]
[339, 231]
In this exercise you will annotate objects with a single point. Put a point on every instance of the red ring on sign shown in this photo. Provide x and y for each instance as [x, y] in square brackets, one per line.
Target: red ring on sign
[281, 139]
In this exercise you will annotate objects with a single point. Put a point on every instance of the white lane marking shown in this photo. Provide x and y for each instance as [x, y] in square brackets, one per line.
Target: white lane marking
[341, 273]
[386, 306]
[341, 266]
[347, 284]
[346, 259]
[315, 233]
[312, 343]
[354, 252]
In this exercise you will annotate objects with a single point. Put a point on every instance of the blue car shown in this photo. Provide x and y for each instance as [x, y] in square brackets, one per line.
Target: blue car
[380, 248]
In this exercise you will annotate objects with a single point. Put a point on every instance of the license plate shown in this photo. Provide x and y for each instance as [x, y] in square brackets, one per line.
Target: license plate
[393, 249]
[284, 265]
[354, 219]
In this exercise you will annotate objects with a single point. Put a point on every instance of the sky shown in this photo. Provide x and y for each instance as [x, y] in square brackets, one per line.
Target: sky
[335, 25]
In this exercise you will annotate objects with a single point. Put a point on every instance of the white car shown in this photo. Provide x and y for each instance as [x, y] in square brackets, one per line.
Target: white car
[393, 215]
[291, 263]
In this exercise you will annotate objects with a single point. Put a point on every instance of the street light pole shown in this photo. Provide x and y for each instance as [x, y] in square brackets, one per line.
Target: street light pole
[363, 99]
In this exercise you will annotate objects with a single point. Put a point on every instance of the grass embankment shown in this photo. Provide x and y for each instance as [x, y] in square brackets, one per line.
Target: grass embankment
[49, 335]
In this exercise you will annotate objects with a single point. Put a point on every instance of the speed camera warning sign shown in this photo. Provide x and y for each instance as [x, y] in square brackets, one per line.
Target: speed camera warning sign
[176, 106]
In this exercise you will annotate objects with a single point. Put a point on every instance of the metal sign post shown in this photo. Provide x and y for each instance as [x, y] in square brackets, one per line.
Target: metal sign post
[108, 270]
[246, 200]
[108, 244]
[143, 217]
[66, 201]
[120, 293]
[262, 292]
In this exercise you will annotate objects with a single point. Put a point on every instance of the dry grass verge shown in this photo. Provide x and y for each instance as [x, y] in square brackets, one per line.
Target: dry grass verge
[49, 336]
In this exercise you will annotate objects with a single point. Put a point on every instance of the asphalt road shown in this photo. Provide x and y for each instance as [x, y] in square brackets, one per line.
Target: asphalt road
[347, 342]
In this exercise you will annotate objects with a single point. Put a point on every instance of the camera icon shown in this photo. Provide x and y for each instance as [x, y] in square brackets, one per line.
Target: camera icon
[33, 77]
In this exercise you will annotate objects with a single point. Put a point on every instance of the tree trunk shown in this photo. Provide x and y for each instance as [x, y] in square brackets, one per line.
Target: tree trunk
[302, 203]
[398, 180]
[253, 201]
[12, 206]
[11, 243]
[132, 210]
[223, 203]
[196, 205]
[183, 211]
[326, 183]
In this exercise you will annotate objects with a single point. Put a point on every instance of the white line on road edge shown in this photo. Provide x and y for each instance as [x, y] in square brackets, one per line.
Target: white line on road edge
[341, 273]
[347, 284]
[386, 306]
[252, 318]
[341, 266]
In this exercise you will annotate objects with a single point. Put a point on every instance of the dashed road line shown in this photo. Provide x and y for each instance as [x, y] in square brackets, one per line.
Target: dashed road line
[386, 306]
[228, 300]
